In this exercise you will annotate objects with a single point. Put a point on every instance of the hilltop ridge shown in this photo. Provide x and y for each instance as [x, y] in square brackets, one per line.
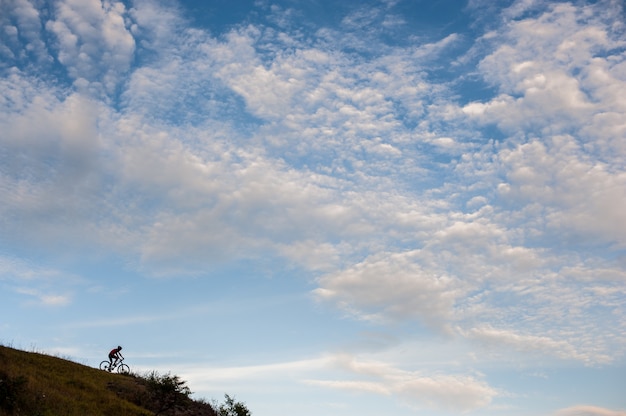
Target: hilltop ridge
[32, 383]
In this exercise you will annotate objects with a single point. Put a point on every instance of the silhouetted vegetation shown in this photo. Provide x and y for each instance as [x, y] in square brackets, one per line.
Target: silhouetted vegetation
[36, 384]
[232, 408]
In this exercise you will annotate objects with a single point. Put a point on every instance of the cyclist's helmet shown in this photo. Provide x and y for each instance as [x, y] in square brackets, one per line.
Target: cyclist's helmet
[119, 347]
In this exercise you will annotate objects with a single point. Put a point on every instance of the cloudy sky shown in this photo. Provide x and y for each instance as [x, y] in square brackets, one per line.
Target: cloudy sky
[339, 208]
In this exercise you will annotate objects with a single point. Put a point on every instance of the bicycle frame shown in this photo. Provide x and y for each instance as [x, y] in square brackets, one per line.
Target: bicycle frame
[117, 365]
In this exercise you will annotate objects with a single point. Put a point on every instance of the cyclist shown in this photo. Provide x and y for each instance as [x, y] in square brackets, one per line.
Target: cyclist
[115, 354]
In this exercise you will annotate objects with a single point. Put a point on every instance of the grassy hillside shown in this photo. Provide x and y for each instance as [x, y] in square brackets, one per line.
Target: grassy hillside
[33, 384]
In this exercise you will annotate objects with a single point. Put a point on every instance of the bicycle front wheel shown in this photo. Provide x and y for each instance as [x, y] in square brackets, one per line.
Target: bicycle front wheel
[123, 369]
[104, 365]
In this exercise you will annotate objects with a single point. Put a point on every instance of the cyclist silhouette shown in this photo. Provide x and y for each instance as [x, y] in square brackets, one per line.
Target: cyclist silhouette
[115, 354]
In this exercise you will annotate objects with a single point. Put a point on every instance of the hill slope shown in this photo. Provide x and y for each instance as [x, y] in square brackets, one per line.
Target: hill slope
[42, 385]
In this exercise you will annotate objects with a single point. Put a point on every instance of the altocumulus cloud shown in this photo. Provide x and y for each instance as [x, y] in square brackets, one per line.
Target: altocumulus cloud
[495, 220]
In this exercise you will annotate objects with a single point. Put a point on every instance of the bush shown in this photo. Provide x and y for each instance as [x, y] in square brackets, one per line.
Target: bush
[167, 392]
[232, 408]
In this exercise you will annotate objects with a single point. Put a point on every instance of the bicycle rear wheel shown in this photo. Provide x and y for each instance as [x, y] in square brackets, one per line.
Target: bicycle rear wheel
[104, 365]
[123, 369]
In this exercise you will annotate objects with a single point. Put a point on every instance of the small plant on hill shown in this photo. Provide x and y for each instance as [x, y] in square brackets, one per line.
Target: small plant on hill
[230, 407]
[167, 392]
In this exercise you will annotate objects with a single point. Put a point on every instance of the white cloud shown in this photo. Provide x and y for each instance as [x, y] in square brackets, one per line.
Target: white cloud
[524, 343]
[45, 299]
[441, 391]
[21, 271]
[55, 169]
[581, 195]
[43, 286]
[589, 411]
[414, 388]
[157, 24]
[393, 286]
[313, 254]
[556, 73]
[331, 165]
[21, 26]
[94, 42]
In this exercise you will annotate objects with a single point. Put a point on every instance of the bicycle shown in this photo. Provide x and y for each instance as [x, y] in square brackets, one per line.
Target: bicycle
[118, 366]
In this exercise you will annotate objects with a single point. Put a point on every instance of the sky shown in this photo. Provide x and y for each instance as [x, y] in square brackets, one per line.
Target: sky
[320, 207]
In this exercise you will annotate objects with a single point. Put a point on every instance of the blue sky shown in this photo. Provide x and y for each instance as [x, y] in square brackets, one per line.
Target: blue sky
[335, 208]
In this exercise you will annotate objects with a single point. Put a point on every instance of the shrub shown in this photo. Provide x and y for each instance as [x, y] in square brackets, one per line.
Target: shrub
[167, 392]
[232, 408]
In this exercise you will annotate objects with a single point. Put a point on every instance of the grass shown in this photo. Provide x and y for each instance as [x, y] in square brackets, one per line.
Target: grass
[35, 384]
